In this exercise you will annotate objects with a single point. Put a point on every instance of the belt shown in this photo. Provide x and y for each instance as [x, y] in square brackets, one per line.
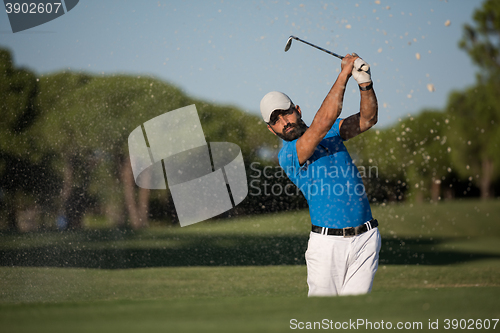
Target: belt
[346, 232]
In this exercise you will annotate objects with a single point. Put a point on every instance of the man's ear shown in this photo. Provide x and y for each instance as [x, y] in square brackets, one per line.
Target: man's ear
[298, 110]
[271, 129]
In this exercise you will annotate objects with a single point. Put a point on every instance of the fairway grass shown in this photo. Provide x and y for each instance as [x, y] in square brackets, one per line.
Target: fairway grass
[252, 313]
[53, 285]
[438, 261]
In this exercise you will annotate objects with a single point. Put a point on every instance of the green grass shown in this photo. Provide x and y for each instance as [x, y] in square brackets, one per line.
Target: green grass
[249, 314]
[438, 261]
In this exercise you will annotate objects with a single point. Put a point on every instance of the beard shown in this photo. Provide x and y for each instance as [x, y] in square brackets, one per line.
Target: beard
[296, 132]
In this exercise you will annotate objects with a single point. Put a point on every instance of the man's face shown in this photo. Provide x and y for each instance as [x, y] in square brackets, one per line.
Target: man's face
[287, 124]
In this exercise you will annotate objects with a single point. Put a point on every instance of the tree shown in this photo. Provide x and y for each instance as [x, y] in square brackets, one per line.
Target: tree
[88, 120]
[24, 167]
[475, 112]
[482, 41]
[55, 134]
[475, 136]
[426, 153]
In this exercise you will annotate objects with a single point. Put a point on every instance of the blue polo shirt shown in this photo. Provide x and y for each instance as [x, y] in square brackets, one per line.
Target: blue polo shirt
[330, 182]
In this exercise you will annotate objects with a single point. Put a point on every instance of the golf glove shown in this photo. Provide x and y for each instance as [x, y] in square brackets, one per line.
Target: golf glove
[361, 71]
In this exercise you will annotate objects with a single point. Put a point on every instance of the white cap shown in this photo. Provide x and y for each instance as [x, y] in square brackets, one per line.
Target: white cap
[274, 100]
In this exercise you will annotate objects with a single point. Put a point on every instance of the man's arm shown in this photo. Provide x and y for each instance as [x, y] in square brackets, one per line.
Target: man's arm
[327, 113]
[368, 112]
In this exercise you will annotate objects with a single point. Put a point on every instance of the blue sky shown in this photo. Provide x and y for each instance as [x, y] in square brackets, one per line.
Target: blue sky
[232, 52]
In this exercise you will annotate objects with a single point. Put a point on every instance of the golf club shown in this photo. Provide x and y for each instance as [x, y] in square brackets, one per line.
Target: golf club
[364, 67]
[289, 44]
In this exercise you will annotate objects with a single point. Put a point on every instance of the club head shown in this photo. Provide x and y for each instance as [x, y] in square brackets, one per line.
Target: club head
[288, 43]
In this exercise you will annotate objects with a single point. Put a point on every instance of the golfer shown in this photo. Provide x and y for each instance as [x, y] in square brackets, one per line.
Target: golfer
[344, 244]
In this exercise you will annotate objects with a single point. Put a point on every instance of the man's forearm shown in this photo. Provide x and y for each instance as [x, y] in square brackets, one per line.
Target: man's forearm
[368, 108]
[327, 114]
[332, 105]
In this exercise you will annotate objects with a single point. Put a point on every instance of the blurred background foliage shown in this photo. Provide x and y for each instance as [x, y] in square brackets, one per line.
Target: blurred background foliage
[64, 155]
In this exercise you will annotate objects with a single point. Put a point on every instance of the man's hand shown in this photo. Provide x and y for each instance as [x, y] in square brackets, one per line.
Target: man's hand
[347, 64]
[361, 71]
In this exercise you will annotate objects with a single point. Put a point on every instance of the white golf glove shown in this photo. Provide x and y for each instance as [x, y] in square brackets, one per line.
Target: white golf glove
[361, 71]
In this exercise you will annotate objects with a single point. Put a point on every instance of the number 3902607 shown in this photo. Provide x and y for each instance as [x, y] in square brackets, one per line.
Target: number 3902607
[32, 8]
[470, 324]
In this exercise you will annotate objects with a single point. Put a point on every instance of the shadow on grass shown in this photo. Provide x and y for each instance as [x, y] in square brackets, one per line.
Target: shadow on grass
[116, 250]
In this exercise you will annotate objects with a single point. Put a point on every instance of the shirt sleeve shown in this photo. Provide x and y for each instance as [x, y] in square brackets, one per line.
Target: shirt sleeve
[335, 129]
[289, 160]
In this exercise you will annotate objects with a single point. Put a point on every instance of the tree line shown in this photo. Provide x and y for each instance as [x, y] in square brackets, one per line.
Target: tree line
[64, 149]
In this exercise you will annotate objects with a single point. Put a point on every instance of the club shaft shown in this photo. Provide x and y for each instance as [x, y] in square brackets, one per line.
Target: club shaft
[319, 48]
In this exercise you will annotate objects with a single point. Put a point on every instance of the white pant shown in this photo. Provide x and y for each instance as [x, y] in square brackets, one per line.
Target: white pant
[342, 266]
